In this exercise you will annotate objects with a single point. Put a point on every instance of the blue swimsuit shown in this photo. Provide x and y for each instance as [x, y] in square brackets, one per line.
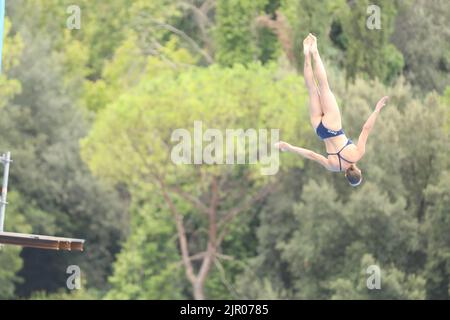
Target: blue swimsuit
[325, 133]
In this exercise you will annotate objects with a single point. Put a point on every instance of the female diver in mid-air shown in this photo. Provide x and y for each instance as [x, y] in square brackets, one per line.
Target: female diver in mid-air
[326, 120]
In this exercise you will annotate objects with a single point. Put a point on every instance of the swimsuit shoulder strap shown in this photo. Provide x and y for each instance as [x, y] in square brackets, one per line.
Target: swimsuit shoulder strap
[339, 154]
[341, 157]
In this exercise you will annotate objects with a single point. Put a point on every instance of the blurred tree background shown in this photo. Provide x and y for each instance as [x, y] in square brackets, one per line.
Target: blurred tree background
[88, 116]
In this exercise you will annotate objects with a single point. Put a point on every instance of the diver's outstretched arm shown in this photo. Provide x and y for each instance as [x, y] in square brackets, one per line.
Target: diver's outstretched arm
[368, 126]
[308, 154]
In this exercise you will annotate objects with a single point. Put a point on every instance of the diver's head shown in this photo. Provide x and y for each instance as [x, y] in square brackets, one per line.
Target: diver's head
[353, 175]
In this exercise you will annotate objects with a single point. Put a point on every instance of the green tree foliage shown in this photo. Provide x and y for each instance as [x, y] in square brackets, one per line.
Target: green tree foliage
[41, 126]
[137, 70]
[12, 44]
[11, 263]
[423, 37]
[309, 16]
[10, 260]
[102, 24]
[325, 247]
[437, 224]
[149, 266]
[383, 60]
[395, 285]
[221, 97]
[235, 34]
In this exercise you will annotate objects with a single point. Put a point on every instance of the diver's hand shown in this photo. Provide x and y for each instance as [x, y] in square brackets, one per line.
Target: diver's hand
[381, 103]
[283, 146]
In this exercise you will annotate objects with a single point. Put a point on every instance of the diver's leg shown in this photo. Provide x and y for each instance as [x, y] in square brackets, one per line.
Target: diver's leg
[315, 109]
[332, 115]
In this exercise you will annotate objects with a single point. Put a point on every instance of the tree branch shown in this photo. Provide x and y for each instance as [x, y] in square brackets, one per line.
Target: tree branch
[181, 235]
[207, 5]
[212, 233]
[280, 26]
[224, 223]
[194, 257]
[192, 199]
[183, 35]
[222, 272]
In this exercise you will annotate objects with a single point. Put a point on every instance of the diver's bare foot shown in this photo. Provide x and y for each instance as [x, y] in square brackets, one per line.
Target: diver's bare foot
[313, 48]
[306, 45]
